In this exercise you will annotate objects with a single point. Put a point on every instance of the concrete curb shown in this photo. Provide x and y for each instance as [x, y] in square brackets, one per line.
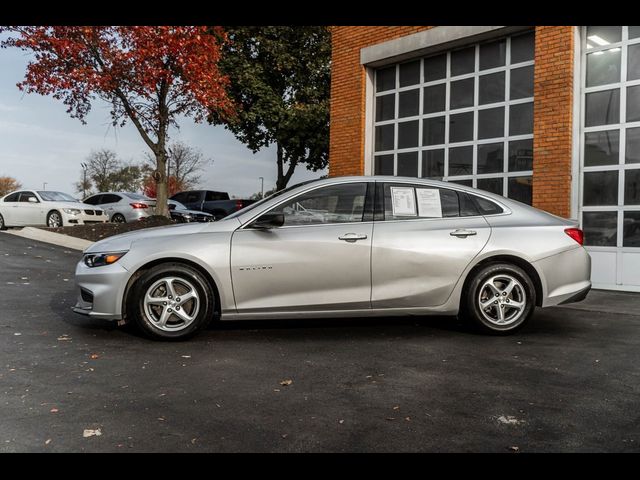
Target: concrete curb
[51, 237]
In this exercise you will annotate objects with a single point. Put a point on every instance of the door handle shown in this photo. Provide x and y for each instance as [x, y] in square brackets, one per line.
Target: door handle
[462, 233]
[352, 237]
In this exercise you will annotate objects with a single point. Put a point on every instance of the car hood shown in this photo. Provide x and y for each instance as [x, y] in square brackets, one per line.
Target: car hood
[123, 242]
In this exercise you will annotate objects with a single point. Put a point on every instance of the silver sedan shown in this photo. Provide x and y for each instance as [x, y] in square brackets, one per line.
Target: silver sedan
[350, 246]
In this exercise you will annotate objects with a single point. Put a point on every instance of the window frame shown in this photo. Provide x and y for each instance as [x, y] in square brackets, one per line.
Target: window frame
[367, 212]
[505, 174]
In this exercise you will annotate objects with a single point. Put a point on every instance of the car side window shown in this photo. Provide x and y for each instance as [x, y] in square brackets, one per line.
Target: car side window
[95, 200]
[326, 205]
[13, 197]
[110, 198]
[25, 196]
[213, 196]
[487, 207]
[192, 197]
[403, 201]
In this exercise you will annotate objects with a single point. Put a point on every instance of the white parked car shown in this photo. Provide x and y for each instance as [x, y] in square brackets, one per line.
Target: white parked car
[46, 208]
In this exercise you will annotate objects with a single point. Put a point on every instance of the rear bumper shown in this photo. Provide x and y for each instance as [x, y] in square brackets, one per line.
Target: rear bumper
[578, 297]
[566, 276]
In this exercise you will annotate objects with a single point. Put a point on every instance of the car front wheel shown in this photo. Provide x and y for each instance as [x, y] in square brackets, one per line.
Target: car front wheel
[171, 302]
[2, 225]
[54, 219]
[499, 299]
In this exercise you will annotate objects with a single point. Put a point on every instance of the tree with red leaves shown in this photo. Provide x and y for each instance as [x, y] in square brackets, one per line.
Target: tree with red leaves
[149, 74]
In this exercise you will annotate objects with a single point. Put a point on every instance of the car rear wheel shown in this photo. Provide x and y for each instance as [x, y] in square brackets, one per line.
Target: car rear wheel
[2, 225]
[54, 219]
[171, 302]
[119, 218]
[500, 299]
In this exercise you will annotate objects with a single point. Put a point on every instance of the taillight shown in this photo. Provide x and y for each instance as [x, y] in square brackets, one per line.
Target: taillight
[576, 234]
[238, 204]
[139, 205]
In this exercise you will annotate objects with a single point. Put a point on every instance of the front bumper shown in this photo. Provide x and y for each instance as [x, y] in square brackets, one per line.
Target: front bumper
[84, 218]
[100, 290]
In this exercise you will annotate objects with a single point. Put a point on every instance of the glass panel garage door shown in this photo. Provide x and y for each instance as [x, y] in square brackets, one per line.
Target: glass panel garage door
[463, 116]
[610, 154]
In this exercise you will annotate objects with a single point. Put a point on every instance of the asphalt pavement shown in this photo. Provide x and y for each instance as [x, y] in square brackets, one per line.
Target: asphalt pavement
[567, 382]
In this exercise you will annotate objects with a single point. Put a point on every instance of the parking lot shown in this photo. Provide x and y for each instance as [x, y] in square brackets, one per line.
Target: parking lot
[567, 382]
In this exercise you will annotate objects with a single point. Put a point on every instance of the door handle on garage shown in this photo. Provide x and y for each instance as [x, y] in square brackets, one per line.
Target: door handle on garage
[352, 237]
[462, 233]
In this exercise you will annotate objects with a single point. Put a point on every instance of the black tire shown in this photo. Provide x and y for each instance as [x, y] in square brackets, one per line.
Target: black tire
[478, 290]
[2, 225]
[143, 315]
[51, 218]
[118, 218]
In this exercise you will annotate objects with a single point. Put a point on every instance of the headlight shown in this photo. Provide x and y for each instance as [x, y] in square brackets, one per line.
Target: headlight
[101, 259]
[72, 211]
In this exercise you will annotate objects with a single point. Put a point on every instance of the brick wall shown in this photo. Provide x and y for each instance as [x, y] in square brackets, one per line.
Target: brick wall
[553, 103]
[553, 119]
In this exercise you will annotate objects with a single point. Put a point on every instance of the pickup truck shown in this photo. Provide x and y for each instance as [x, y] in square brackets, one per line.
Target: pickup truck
[217, 204]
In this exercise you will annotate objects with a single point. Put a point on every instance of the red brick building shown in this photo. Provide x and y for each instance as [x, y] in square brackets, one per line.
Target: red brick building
[548, 115]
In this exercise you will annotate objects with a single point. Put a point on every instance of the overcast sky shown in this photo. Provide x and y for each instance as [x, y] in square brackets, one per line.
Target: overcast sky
[39, 142]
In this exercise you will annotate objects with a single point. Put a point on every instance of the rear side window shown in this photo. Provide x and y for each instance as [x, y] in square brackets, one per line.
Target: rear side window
[213, 196]
[402, 202]
[487, 207]
[468, 207]
[13, 197]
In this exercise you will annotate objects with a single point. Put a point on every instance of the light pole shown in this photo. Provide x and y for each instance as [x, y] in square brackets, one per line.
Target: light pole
[84, 179]
[261, 187]
[44, 185]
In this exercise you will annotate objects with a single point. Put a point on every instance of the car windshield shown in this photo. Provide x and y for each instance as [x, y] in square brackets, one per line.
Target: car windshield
[260, 202]
[49, 196]
[177, 205]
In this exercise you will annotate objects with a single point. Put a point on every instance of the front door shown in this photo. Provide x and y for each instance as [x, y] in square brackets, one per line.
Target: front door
[426, 239]
[319, 259]
[30, 210]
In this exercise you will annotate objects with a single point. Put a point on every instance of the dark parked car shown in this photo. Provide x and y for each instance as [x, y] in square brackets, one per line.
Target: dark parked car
[217, 204]
[182, 214]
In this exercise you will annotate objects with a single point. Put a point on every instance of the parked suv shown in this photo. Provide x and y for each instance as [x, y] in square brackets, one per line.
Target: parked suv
[122, 207]
[217, 204]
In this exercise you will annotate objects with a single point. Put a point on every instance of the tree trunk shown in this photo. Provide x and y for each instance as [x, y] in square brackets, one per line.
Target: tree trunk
[161, 184]
[283, 178]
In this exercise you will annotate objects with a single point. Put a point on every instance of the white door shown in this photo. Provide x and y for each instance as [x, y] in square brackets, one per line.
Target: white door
[610, 154]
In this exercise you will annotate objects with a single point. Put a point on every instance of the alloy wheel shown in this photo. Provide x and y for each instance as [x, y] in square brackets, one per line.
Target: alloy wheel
[171, 304]
[54, 220]
[502, 300]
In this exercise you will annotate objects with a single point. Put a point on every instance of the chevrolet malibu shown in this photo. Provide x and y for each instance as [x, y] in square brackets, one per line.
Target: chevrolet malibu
[342, 247]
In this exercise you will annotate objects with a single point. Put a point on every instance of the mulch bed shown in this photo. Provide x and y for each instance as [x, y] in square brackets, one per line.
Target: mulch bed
[98, 231]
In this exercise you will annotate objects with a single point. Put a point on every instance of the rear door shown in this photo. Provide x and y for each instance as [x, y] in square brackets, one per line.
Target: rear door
[423, 239]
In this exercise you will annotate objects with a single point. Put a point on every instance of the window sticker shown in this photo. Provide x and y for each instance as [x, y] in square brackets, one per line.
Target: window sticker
[403, 201]
[429, 204]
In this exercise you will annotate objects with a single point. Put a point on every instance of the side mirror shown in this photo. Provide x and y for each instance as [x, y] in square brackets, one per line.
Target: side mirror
[33, 200]
[269, 220]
